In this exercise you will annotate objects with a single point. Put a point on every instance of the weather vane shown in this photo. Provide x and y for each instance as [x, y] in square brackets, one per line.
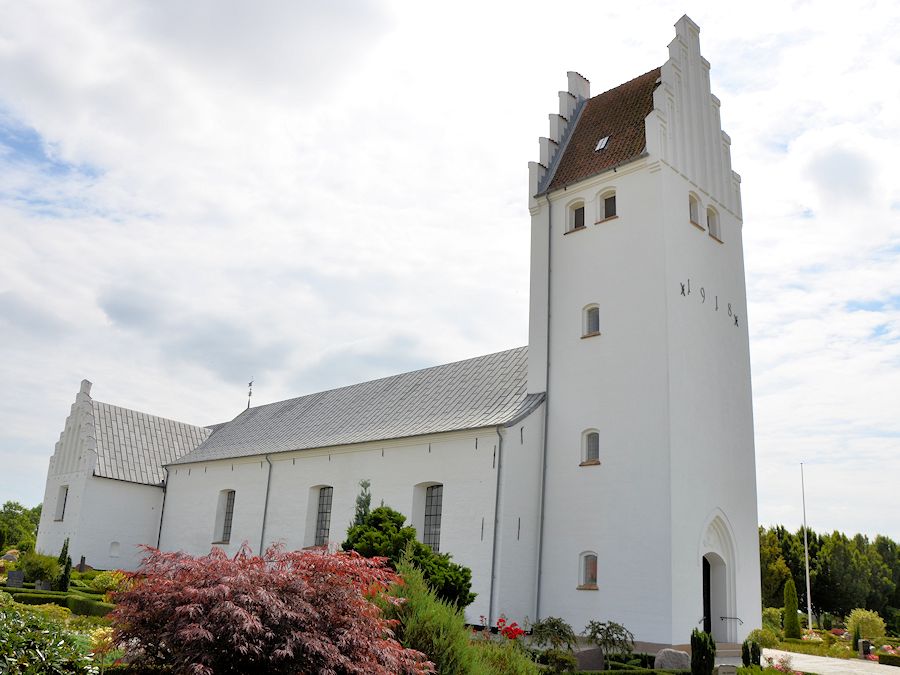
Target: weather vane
[249, 393]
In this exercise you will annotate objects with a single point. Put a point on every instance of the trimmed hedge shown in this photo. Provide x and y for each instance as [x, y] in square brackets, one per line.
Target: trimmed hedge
[39, 599]
[88, 607]
[889, 660]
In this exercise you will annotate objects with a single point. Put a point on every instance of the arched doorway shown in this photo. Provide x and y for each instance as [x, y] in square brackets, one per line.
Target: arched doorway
[718, 560]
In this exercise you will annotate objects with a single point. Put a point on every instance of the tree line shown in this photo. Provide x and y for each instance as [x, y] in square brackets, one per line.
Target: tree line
[845, 572]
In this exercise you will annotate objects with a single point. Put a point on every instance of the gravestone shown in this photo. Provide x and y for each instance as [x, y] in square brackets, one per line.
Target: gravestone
[672, 659]
[41, 585]
[725, 669]
[15, 578]
[865, 648]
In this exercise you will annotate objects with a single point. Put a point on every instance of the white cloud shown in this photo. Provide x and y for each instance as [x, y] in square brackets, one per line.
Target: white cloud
[322, 193]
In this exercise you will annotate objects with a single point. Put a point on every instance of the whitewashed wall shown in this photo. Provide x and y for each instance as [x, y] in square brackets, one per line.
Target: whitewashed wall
[98, 511]
[667, 383]
[464, 462]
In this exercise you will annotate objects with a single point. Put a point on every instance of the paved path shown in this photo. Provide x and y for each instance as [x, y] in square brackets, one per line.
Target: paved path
[826, 666]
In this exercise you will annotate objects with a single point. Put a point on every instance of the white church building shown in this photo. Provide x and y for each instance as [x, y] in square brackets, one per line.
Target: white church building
[605, 471]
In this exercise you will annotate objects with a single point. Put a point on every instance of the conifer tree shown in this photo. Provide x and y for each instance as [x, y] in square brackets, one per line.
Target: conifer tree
[791, 620]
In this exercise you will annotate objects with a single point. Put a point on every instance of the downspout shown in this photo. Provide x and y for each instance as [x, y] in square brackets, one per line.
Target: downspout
[262, 535]
[496, 542]
[540, 552]
[162, 511]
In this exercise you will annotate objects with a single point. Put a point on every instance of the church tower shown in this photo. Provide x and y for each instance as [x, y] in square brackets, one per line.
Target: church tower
[638, 336]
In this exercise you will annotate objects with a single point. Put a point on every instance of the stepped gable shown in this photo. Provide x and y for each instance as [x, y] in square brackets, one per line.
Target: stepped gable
[619, 114]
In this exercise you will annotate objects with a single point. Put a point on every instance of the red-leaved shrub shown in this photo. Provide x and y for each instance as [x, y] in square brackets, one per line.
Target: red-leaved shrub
[284, 612]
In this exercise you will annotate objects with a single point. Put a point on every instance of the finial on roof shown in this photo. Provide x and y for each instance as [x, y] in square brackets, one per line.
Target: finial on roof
[85, 387]
[249, 393]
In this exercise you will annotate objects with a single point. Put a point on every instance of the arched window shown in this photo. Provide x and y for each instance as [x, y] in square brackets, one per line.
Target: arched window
[428, 501]
[608, 205]
[587, 571]
[590, 323]
[590, 447]
[694, 210]
[224, 516]
[323, 515]
[431, 533]
[575, 217]
[712, 223]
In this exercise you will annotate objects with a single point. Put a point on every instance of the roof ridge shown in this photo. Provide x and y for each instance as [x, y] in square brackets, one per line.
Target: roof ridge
[386, 377]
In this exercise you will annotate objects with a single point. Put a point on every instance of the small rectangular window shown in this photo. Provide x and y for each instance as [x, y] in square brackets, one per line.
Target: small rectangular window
[432, 534]
[590, 570]
[579, 218]
[592, 451]
[592, 321]
[323, 517]
[609, 206]
[61, 498]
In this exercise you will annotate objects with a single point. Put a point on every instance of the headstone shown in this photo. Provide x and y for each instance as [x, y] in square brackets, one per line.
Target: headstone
[41, 585]
[865, 647]
[589, 659]
[726, 669]
[15, 578]
[672, 659]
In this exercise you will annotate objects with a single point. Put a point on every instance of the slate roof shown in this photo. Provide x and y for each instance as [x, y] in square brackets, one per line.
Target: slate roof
[481, 392]
[618, 113]
[134, 446]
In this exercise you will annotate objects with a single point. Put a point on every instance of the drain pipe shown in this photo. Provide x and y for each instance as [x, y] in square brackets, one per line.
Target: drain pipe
[543, 494]
[496, 544]
[162, 511]
[262, 535]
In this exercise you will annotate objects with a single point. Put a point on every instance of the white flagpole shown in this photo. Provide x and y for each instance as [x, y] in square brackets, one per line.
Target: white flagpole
[806, 552]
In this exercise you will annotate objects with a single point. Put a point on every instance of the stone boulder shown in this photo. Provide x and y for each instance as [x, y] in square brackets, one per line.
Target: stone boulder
[672, 659]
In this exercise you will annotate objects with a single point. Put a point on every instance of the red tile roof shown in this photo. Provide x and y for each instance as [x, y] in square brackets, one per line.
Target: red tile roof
[618, 113]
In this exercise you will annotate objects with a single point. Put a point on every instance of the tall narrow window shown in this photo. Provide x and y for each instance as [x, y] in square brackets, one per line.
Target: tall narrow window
[609, 206]
[61, 496]
[224, 516]
[591, 321]
[323, 516]
[590, 451]
[694, 210]
[588, 573]
[712, 224]
[431, 534]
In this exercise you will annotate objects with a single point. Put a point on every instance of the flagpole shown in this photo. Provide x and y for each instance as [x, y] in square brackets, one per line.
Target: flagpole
[806, 552]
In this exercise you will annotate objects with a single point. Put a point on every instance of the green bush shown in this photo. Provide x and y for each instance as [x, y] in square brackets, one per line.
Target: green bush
[105, 582]
[791, 619]
[559, 661]
[502, 658]
[37, 566]
[87, 607]
[29, 643]
[554, 633]
[889, 660]
[771, 619]
[826, 622]
[868, 623]
[703, 653]
[383, 534]
[430, 625]
[765, 637]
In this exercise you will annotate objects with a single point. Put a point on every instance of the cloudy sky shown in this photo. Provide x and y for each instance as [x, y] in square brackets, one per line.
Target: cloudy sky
[314, 194]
